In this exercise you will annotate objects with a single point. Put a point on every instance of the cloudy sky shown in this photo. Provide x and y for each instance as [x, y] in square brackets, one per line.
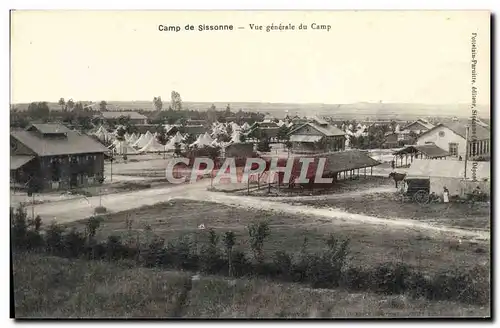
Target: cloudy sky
[414, 57]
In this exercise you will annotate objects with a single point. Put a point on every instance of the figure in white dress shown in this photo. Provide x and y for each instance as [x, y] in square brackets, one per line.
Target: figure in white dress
[446, 195]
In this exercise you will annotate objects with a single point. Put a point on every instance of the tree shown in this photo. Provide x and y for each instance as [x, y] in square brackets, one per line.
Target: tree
[177, 149]
[190, 139]
[393, 126]
[78, 107]
[70, 104]
[103, 105]
[282, 134]
[62, 103]
[258, 233]
[39, 110]
[229, 241]
[157, 103]
[228, 110]
[176, 101]
[213, 108]
[162, 135]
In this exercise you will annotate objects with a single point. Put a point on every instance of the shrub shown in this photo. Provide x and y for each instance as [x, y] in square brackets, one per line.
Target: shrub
[74, 243]
[241, 265]
[211, 260]
[93, 223]
[356, 278]
[283, 264]
[179, 253]
[19, 227]
[258, 233]
[472, 286]
[114, 248]
[100, 210]
[54, 239]
[390, 278]
[154, 252]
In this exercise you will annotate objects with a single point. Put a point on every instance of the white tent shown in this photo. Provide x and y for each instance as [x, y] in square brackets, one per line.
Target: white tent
[171, 143]
[123, 147]
[132, 139]
[152, 146]
[245, 126]
[235, 138]
[148, 134]
[203, 140]
[177, 137]
[143, 140]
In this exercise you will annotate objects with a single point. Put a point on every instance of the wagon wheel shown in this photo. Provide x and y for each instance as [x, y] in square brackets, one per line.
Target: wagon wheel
[421, 197]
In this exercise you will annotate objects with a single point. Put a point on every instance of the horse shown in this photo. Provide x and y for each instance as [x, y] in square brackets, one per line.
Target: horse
[397, 177]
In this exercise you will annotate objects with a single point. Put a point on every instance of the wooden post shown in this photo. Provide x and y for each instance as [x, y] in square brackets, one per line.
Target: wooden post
[371, 170]
[365, 172]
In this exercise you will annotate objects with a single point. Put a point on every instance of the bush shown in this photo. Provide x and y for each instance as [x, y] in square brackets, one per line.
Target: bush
[154, 252]
[211, 260]
[54, 239]
[283, 265]
[181, 255]
[356, 278]
[19, 227]
[390, 278]
[241, 265]
[100, 210]
[74, 243]
[258, 232]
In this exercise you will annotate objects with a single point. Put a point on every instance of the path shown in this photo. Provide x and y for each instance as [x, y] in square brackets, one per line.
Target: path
[73, 210]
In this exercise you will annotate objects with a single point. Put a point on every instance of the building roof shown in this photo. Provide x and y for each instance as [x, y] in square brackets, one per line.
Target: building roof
[326, 129]
[16, 161]
[427, 168]
[430, 150]
[115, 115]
[48, 128]
[426, 124]
[348, 160]
[459, 128]
[73, 143]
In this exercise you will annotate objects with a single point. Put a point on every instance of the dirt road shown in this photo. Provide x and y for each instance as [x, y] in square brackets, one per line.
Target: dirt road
[76, 209]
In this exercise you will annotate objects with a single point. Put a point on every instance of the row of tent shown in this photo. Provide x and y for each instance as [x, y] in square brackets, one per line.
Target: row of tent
[148, 142]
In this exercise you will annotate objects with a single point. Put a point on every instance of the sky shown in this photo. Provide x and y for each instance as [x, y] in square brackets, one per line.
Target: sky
[366, 56]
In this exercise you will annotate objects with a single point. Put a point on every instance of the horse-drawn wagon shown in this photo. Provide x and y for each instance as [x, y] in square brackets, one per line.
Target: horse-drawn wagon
[417, 190]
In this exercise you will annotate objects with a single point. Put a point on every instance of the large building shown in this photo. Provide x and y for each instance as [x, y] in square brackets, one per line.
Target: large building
[419, 126]
[52, 157]
[316, 137]
[451, 137]
[451, 174]
[114, 117]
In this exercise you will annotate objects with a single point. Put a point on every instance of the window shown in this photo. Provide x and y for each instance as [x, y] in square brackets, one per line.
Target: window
[441, 134]
[453, 149]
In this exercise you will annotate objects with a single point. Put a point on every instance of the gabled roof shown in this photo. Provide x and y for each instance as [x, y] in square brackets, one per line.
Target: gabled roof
[327, 130]
[115, 115]
[430, 150]
[420, 121]
[48, 128]
[459, 128]
[16, 161]
[72, 143]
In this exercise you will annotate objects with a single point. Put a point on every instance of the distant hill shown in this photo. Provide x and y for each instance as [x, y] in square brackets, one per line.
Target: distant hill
[360, 110]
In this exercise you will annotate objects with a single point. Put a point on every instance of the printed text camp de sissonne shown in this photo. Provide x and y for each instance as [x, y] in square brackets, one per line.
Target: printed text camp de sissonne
[267, 28]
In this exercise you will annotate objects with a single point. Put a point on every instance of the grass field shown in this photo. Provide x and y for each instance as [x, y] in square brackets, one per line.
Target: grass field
[370, 245]
[390, 205]
[51, 287]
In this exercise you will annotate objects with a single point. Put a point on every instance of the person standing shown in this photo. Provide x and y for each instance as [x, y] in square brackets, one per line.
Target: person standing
[446, 195]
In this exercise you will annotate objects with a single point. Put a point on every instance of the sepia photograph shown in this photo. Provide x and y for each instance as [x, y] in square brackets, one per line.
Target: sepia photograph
[250, 164]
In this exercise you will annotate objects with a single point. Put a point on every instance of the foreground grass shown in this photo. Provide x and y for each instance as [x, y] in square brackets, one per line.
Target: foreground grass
[369, 245]
[52, 287]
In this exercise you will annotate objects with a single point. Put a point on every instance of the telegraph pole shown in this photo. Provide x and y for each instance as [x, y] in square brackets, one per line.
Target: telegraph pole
[466, 151]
